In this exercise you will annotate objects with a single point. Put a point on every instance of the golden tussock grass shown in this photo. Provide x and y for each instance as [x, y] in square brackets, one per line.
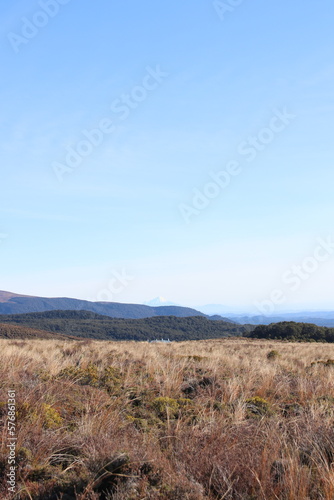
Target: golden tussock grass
[217, 419]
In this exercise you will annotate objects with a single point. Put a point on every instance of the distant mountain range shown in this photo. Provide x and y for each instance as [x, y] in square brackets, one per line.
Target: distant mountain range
[218, 309]
[11, 303]
[160, 301]
[320, 318]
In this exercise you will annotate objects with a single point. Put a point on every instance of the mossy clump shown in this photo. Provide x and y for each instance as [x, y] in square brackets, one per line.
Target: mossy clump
[257, 406]
[166, 407]
[90, 375]
[46, 415]
[140, 423]
[83, 376]
[109, 379]
[184, 402]
[51, 417]
[146, 418]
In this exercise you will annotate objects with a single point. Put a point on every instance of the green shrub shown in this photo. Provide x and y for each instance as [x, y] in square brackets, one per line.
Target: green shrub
[51, 417]
[110, 379]
[166, 407]
[48, 416]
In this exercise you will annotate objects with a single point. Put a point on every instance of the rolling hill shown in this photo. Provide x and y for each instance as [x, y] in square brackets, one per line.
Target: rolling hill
[91, 325]
[11, 303]
[13, 331]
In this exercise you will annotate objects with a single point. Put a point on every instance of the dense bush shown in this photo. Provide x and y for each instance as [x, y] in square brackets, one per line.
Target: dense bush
[289, 330]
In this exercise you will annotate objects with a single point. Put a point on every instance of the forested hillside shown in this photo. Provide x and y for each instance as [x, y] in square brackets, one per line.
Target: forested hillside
[91, 325]
[13, 331]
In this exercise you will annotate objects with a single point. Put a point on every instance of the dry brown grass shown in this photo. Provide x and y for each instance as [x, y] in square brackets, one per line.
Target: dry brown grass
[192, 420]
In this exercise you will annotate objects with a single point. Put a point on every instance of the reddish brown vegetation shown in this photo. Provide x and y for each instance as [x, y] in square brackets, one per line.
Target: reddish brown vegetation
[195, 420]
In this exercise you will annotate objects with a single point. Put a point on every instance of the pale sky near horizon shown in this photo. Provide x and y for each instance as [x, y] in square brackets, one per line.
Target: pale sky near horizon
[211, 177]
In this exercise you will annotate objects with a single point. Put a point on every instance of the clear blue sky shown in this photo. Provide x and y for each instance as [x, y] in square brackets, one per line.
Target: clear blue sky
[181, 90]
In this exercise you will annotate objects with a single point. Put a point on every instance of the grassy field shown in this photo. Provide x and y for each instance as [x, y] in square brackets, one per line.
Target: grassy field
[215, 419]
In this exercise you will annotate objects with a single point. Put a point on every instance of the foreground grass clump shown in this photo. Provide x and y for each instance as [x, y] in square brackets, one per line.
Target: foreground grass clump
[273, 354]
[199, 420]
